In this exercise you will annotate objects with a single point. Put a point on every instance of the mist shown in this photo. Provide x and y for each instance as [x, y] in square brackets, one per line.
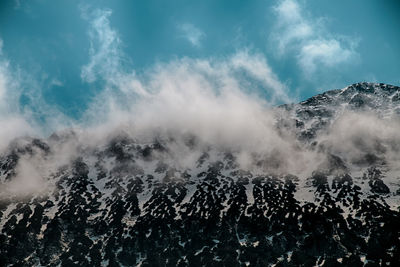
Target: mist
[192, 106]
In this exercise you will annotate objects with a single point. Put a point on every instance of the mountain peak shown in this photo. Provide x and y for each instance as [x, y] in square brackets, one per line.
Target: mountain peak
[371, 88]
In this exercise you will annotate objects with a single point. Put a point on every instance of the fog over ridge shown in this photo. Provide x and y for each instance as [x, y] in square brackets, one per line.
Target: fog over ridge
[214, 104]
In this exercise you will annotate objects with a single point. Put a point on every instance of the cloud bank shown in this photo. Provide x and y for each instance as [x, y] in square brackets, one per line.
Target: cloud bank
[195, 106]
[364, 139]
[308, 39]
[215, 99]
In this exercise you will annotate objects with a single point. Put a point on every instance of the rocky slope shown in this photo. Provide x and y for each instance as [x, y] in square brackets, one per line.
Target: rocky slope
[124, 204]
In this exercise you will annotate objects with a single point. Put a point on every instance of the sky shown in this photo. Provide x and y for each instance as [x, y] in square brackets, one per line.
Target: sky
[61, 59]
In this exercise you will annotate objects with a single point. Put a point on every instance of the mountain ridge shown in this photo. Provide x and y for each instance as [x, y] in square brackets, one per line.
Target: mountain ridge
[179, 202]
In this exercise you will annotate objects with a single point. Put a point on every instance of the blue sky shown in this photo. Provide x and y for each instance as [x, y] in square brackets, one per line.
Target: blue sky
[62, 54]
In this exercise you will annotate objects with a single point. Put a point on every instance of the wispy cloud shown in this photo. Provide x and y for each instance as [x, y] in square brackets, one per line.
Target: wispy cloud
[9, 91]
[106, 58]
[308, 39]
[215, 99]
[17, 4]
[326, 52]
[13, 124]
[105, 53]
[257, 66]
[192, 34]
[2, 75]
[36, 116]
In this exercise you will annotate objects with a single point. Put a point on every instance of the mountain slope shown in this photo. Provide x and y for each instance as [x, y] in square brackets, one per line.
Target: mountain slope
[126, 202]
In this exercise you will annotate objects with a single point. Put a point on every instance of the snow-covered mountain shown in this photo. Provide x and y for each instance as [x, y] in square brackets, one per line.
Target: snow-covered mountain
[175, 201]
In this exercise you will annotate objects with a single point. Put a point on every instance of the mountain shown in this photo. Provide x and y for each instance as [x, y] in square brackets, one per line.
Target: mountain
[126, 202]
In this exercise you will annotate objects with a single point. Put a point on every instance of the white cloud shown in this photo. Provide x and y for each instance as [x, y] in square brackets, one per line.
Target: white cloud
[12, 122]
[104, 53]
[16, 120]
[192, 34]
[56, 82]
[291, 25]
[357, 134]
[213, 99]
[2, 86]
[106, 61]
[308, 39]
[5, 83]
[326, 52]
[3, 68]
[205, 99]
[257, 66]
